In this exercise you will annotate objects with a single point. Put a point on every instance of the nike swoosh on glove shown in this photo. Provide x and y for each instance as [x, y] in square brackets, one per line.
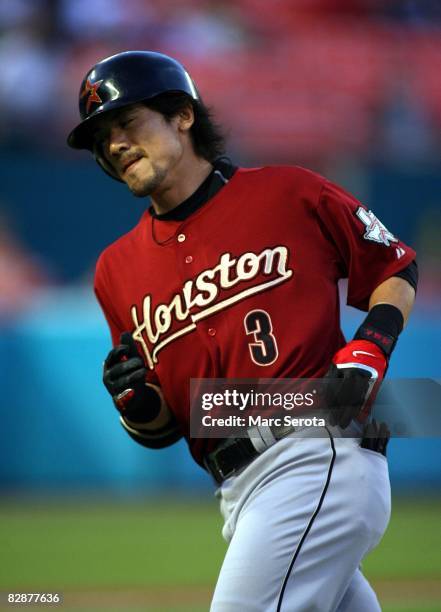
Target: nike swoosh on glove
[352, 382]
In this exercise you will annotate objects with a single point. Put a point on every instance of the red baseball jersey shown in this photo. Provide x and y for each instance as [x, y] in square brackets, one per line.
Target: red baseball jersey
[246, 286]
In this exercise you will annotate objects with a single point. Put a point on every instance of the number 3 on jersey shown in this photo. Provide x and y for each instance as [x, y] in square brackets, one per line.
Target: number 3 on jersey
[263, 350]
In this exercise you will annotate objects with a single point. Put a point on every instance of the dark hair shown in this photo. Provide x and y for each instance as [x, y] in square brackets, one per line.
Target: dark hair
[207, 136]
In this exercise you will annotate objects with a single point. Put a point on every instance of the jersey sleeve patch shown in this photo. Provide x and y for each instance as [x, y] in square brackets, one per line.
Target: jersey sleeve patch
[375, 230]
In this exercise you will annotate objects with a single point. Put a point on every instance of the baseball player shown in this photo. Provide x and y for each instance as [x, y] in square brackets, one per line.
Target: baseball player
[232, 273]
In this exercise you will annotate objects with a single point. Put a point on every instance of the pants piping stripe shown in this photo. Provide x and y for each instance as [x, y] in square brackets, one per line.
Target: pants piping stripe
[308, 528]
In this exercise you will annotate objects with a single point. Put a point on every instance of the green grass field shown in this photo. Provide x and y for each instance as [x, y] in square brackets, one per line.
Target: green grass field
[165, 556]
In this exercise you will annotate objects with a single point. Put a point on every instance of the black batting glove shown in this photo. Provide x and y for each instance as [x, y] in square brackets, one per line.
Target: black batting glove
[345, 394]
[123, 367]
[124, 376]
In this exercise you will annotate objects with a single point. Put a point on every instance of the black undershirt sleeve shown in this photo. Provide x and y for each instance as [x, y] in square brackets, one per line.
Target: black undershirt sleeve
[410, 274]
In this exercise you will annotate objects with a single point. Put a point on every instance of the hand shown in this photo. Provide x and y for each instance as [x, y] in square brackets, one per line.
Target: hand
[352, 381]
[124, 376]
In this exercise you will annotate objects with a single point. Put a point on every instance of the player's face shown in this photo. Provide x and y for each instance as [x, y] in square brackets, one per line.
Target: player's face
[141, 145]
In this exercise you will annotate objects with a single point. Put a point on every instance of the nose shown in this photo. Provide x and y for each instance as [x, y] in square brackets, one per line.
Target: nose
[118, 141]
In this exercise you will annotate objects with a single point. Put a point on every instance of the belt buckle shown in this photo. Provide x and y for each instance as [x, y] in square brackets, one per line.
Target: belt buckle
[216, 471]
[224, 475]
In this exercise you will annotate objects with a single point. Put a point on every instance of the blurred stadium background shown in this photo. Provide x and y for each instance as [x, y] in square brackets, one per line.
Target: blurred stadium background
[349, 88]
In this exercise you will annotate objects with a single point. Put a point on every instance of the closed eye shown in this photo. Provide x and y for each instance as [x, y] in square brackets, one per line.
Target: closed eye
[125, 122]
[99, 136]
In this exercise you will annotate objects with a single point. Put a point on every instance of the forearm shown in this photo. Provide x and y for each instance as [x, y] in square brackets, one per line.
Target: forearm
[397, 292]
[161, 420]
[160, 432]
[162, 437]
[359, 367]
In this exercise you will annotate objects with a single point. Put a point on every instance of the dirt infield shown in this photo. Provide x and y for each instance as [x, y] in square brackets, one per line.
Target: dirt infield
[197, 598]
[396, 595]
[408, 590]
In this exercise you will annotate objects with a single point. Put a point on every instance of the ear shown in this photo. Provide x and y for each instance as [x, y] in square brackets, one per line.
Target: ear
[185, 118]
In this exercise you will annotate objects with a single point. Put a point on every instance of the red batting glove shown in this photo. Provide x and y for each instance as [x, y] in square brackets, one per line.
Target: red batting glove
[353, 381]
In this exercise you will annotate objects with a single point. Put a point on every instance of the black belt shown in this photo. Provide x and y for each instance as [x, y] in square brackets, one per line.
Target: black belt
[233, 454]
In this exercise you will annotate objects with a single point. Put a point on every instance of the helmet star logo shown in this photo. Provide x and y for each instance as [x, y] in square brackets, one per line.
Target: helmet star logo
[91, 89]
